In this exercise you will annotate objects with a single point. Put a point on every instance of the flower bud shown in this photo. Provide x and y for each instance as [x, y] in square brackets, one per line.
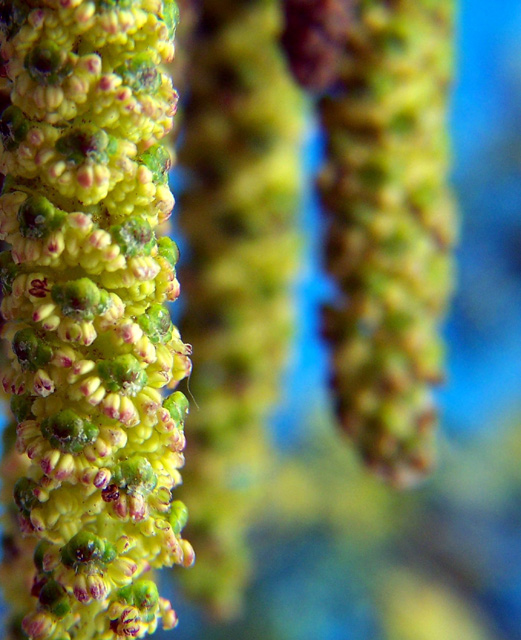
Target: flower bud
[39, 625]
[53, 598]
[124, 373]
[8, 272]
[140, 73]
[158, 160]
[168, 250]
[24, 496]
[86, 549]
[177, 406]
[69, 433]
[38, 218]
[134, 236]
[135, 475]
[80, 299]
[21, 407]
[48, 64]
[146, 599]
[13, 128]
[31, 351]
[156, 324]
[178, 516]
[86, 144]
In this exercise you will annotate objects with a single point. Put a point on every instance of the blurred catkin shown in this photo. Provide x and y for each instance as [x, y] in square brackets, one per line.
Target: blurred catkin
[242, 135]
[91, 344]
[435, 609]
[314, 37]
[391, 229]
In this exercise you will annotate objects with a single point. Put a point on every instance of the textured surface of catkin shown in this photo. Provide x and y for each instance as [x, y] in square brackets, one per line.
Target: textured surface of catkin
[16, 565]
[244, 124]
[84, 286]
[391, 229]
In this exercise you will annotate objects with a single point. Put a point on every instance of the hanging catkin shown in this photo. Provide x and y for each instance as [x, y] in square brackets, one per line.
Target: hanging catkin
[84, 285]
[243, 127]
[391, 229]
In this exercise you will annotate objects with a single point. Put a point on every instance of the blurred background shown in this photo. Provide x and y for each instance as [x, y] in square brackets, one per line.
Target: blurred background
[339, 556]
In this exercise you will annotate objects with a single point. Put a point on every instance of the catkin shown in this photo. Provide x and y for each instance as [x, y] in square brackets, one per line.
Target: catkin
[391, 229]
[240, 155]
[84, 284]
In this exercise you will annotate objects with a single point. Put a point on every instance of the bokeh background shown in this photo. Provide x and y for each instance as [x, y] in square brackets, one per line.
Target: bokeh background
[339, 556]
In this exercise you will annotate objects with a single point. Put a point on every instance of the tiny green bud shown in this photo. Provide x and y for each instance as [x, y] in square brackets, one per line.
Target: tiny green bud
[31, 351]
[123, 373]
[86, 548]
[87, 143]
[178, 516]
[53, 597]
[158, 160]
[134, 236]
[136, 475]
[156, 324]
[68, 432]
[80, 299]
[168, 250]
[48, 64]
[177, 406]
[140, 73]
[21, 407]
[146, 596]
[126, 595]
[24, 496]
[38, 217]
[8, 272]
[109, 555]
[13, 128]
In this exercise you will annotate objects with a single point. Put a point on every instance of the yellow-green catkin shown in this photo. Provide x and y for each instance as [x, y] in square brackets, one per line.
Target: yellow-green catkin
[243, 129]
[16, 566]
[391, 229]
[92, 346]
